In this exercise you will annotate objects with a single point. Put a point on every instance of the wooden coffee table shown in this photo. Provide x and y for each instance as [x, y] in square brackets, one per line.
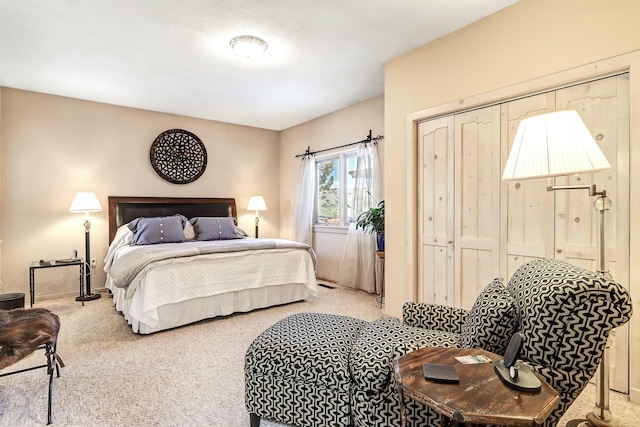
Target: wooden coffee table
[480, 398]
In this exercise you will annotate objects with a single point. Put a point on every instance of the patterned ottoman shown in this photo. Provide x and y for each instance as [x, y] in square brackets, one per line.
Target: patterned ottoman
[297, 371]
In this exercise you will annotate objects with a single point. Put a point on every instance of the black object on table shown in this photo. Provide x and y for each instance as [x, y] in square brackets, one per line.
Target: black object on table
[51, 264]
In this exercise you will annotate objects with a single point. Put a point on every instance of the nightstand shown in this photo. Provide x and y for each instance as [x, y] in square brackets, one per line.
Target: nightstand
[36, 265]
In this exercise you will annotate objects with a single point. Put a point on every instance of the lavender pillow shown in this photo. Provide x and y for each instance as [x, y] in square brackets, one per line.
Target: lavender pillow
[215, 228]
[151, 231]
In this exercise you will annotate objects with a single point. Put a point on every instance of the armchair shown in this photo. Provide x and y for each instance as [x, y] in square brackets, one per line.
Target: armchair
[374, 400]
[565, 313]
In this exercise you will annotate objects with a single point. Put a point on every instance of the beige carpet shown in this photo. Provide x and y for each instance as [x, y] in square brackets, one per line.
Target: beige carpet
[190, 376]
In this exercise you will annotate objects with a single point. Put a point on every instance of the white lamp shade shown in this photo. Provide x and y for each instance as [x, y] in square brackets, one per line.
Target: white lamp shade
[256, 203]
[553, 144]
[85, 201]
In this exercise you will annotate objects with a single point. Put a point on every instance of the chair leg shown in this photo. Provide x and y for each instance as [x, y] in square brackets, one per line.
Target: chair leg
[50, 397]
[255, 420]
[53, 367]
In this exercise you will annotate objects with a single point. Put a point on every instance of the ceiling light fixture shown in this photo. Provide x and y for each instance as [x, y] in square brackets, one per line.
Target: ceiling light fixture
[248, 46]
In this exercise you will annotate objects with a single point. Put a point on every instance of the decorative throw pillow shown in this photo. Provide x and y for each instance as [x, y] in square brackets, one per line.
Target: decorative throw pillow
[123, 236]
[492, 320]
[151, 231]
[189, 232]
[241, 232]
[215, 228]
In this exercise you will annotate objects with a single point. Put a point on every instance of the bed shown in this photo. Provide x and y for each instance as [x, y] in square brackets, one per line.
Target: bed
[176, 261]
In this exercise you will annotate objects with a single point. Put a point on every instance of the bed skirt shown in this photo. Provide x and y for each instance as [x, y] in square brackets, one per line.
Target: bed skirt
[194, 310]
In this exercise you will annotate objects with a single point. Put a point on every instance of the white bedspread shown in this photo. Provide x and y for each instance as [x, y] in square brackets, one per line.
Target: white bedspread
[132, 260]
[175, 280]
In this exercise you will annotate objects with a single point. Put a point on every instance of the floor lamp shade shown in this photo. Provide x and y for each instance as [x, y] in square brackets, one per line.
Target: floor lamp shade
[86, 202]
[257, 203]
[553, 144]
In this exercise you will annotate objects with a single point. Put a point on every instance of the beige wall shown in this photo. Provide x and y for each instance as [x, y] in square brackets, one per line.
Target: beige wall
[533, 42]
[2, 288]
[530, 39]
[341, 127]
[53, 147]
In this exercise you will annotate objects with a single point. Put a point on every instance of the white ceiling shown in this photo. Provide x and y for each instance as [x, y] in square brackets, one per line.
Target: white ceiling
[173, 56]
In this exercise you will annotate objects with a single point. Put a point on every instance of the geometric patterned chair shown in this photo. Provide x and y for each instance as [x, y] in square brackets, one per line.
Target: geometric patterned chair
[489, 325]
[567, 314]
[325, 370]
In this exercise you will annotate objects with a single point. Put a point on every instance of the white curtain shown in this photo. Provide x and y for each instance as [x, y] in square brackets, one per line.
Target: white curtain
[302, 210]
[360, 267]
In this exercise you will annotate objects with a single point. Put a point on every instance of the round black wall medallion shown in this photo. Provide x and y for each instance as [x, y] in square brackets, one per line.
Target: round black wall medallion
[178, 156]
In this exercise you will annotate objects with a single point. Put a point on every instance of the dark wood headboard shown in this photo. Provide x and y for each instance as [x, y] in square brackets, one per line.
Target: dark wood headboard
[125, 209]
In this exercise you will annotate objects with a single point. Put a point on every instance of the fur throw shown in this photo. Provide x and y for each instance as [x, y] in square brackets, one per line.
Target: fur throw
[23, 330]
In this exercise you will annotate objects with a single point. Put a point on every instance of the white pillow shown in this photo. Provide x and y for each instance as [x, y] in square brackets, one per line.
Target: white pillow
[189, 232]
[124, 236]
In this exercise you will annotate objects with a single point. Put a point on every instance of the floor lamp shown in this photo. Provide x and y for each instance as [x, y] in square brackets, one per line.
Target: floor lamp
[558, 144]
[85, 202]
[256, 203]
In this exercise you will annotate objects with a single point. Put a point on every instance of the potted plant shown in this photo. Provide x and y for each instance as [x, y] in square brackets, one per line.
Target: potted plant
[372, 220]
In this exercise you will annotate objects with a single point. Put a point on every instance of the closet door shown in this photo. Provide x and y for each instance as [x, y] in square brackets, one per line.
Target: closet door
[460, 215]
[604, 107]
[435, 216]
[474, 227]
[527, 226]
[562, 224]
[477, 203]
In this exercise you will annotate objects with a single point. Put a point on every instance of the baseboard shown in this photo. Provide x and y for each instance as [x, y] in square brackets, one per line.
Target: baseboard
[634, 395]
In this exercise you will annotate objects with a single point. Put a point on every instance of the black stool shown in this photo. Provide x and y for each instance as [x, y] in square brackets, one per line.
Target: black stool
[11, 301]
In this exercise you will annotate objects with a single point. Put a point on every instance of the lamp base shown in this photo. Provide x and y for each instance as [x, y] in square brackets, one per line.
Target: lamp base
[593, 421]
[89, 297]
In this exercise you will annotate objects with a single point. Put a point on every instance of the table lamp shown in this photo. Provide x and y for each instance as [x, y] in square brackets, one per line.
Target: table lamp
[256, 203]
[85, 202]
[557, 144]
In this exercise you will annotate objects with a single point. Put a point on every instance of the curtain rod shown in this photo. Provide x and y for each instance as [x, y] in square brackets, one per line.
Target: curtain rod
[367, 140]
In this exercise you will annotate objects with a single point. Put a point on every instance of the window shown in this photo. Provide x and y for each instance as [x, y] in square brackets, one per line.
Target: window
[335, 184]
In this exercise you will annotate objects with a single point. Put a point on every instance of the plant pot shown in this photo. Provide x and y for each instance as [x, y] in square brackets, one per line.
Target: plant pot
[380, 241]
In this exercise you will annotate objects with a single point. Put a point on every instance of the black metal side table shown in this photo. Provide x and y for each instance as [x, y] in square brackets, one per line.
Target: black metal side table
[52, 264]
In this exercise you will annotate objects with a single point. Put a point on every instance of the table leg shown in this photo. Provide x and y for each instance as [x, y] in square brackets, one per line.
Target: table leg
[403, 409]
[448, 422]
[81, 281]
[32, 286]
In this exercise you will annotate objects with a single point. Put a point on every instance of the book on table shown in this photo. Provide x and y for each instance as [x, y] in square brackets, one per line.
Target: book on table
[440, 373]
